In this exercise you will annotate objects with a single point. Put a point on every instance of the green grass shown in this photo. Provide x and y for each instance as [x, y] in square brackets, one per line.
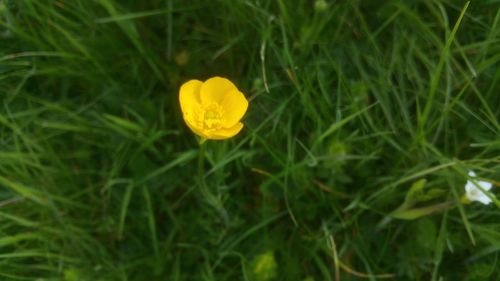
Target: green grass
[364, 119]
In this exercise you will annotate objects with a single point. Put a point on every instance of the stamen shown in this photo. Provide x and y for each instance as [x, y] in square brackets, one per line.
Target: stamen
[211, 115]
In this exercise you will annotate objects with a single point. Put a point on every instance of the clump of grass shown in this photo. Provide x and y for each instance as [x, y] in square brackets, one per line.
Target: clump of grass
[361, 114]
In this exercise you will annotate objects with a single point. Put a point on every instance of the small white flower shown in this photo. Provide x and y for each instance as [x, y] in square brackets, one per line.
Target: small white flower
[473, 193]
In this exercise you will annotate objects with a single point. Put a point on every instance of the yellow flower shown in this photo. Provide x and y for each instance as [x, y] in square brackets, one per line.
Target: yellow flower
[213, 109]
[265, 266]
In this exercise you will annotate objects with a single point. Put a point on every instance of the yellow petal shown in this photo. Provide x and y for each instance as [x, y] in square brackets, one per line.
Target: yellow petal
[226, 133]
[189, 97]
[199, 132]
[214, 89]
[234, 105]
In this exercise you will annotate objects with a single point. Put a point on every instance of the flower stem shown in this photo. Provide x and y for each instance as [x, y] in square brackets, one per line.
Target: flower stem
[212, 200]
[464, 200]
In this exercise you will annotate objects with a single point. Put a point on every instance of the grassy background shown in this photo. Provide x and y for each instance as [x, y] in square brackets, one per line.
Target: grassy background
[351, 104]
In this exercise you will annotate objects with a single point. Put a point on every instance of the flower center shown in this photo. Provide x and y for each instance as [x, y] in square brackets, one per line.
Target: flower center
[212, 116]
[474, 193]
